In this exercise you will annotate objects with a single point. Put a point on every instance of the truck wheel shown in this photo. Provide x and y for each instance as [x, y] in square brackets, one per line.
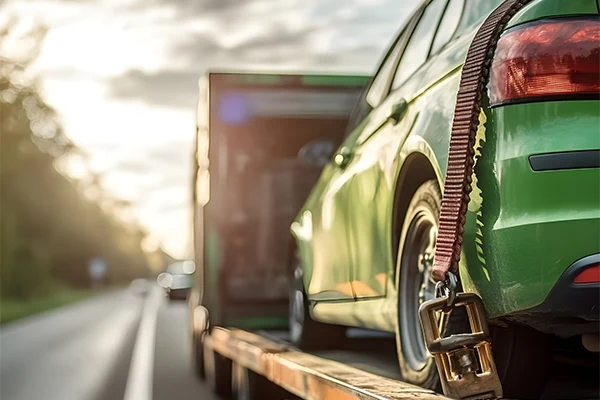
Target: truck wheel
[198, 355]
[219, 375]
[415, 284]
[248, 385]
[523, 358]
[306, 333]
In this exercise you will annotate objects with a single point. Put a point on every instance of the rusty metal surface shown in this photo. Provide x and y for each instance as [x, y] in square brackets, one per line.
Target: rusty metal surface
[457, 186]
[308, 376]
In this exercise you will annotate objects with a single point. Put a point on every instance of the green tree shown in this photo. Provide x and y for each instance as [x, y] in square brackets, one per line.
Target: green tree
[48, 229]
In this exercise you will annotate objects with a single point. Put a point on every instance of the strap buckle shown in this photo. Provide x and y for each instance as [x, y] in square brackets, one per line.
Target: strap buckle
[447, 288]
[465, 361]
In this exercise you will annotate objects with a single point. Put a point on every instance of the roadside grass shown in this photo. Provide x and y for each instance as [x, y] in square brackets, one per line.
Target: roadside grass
[13, 309]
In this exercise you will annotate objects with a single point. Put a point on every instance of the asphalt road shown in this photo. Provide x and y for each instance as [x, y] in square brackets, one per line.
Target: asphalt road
[118, 345]
[124, 346]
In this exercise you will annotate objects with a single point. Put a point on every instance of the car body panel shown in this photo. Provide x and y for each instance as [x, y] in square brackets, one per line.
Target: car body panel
[379, 156]
[373, 169]
[524, 228]
[381, 312]
[539, 9]
[379, 150]
[429, 124]
[319, 230]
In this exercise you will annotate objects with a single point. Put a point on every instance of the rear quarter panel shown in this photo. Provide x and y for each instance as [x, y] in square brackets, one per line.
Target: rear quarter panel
[502, 260]
[524, 228]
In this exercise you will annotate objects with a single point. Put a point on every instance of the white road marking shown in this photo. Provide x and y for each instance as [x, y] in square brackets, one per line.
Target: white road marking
[141, 369]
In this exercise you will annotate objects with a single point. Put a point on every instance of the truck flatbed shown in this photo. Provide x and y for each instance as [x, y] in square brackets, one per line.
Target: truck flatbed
[363, 367]
[308, 376]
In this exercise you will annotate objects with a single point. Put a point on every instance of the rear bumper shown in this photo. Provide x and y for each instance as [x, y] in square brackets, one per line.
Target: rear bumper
[570, 308]
[534, 205]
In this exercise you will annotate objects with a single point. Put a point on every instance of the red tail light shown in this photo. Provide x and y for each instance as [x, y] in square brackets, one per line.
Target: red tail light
[545, 60]
[589, 275]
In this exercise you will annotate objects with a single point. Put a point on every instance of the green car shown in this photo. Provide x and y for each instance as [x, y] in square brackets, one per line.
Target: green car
[365, 238]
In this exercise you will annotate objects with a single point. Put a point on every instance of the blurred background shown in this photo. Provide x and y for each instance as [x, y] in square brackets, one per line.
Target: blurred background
[97, 119]
[98, 107]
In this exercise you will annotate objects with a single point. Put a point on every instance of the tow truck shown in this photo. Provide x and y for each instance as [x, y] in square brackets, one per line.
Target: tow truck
[249, 182]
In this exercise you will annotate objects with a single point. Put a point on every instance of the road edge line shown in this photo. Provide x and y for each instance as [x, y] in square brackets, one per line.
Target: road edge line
[141, 369]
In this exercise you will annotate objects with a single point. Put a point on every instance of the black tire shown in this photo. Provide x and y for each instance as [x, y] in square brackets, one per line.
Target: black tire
[523, 358]
[198, 355]
[306, 333]
[220, 377]
[415, 285]
[248, 385]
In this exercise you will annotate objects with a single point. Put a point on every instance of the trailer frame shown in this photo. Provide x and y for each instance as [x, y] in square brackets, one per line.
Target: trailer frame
[261, 367]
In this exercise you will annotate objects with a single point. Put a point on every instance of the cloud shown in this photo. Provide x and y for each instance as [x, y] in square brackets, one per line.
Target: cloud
[165, 88]
[304, 36]
[123, 75]
[187, 7]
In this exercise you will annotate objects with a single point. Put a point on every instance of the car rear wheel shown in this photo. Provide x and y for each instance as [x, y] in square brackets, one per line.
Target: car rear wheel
[218, 374]
[416, 285]
[522, 354]
[306, 333]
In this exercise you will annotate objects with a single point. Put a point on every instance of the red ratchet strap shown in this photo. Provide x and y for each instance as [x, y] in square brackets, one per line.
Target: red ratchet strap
[457, 187]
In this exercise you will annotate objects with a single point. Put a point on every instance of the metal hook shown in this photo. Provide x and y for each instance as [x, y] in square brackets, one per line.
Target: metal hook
[447, 288]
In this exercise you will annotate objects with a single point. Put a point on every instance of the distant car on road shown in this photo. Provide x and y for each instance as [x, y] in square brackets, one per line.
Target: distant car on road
[178, 279]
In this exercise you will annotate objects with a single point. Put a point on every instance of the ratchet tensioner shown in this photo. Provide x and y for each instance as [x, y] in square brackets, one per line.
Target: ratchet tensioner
[464, 361]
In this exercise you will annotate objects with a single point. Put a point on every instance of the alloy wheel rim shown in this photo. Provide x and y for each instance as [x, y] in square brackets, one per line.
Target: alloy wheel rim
[416, 286]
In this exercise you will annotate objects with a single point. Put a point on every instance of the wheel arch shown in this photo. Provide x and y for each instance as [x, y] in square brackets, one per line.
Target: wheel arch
[419, 165]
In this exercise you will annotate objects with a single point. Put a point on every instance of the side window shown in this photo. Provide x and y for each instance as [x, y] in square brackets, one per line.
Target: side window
[447, 27]
[359, 112]
[417, 49]
[381, 83]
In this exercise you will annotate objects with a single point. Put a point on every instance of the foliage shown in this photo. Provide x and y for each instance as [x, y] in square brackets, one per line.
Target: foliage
[13, 309]
[48, 229]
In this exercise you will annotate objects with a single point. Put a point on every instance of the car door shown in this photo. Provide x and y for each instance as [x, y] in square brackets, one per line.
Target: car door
[374, 160]
[326, 211]
[322, 226]
[333, 253]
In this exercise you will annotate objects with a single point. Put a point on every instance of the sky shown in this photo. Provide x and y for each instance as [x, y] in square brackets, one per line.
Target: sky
[122, 75]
